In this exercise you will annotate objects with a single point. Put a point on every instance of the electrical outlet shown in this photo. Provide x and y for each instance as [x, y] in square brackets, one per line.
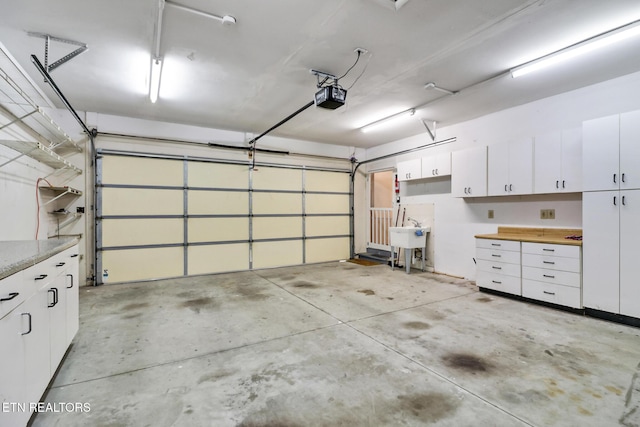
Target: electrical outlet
[490, 214]
[543, 214]
[551, 214]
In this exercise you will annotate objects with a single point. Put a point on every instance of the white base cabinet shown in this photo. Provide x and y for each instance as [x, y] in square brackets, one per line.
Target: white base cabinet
[36, 333]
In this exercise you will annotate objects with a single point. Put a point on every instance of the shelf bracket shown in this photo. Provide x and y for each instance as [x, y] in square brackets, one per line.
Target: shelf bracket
[432, 133]
[82, 47]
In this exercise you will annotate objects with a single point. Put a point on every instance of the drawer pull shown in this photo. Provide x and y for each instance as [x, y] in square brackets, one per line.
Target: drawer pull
[11, 296]
[496, 268]
[55, 297]
[496, 244]
[495, 281]
[74, 255]
[40, 277]
[548, 262]
[70, 275]
[497, 256]
[29, 331]
[60, 264]
[549, 276]
[548, 250]
[548, 293]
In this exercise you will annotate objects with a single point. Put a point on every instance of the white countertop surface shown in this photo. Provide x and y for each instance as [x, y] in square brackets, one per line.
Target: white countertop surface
[16, 255]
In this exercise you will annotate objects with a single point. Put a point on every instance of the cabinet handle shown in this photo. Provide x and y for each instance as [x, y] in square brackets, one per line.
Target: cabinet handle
[557, 184]
[29, 331]
[74, 255]
[548, 262]
[70, 275]
[615, 201]
[496, 268]
[495, 281]
[55, 297]
[548, 276]
[11, 296]
[469, 190]
[465, 190]
[622, 177]
[614, 178]
[40, 277]
[510, 187]
[433, 171]
[623, 201]
[548, 293]
[563, 183]
[496, 244]
[505, 188]
[548, 250]
[496, 255]
[436, 171]
[60, 264]
[408, 175]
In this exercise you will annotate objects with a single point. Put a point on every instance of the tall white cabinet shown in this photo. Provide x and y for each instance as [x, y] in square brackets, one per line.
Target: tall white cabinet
[610, 208]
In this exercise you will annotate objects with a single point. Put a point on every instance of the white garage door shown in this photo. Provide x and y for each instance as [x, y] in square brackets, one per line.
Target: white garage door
[164, 217]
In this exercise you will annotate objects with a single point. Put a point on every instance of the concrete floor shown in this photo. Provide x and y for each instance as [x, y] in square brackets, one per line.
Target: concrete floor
[340, 344]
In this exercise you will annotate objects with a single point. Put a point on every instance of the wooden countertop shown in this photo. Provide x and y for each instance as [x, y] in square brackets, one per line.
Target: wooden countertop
[536, 235]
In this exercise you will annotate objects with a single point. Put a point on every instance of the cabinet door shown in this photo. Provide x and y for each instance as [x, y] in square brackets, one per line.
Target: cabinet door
[571, 160]
[498, 170]
[547, 163]
[57, 306]
[600, 154]
[36, 345]
[629, 265]
[601, 250]
[521, 167]
[12, 367]
[72, 304]
[630, 150]
[410, 169]
[443, 164]
[429, 167]
[469, 172]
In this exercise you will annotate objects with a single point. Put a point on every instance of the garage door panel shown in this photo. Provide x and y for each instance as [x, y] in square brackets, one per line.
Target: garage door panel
[218, 258]
[321, 250]
[327, 226]
[142, 171]
[326, 181]
[216, 175]
[270, 178]
[277, 203]
[141, 201]
[218, 202]
[327, 203]
[274, 228]
[134, 232]
[143, 264]
[217, 229]
[277, 254]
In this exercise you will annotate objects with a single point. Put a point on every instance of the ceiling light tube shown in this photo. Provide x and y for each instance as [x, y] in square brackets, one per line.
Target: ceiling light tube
[597, 42]
[388, 121]
[154, 83]
[226, 19]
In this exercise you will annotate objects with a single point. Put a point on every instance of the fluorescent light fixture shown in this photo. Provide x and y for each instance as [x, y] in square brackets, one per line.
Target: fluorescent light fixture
[388, 121]
[154, 85]
[597, 42]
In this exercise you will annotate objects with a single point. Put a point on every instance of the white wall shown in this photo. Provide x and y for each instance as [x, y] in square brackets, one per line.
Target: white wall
[458, 220]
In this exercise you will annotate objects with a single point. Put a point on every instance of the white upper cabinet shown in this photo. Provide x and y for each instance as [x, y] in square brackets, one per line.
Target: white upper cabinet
[630, 150]
[469, 172]
[511, 168]
[438, 165]
[409, 170]
[558, 162]
[601, 153]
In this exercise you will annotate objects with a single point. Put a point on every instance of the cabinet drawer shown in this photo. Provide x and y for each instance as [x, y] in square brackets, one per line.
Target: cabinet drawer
[508, 284]
[551, 262]
[499, 268]
[552, 276]
[505, 245]
[509, 257]
[39, 275]
[568, 251]
[13, 292]
[556, 294]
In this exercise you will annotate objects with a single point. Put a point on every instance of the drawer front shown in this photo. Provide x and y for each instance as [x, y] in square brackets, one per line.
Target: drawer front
[551, 262]
[509, 257]
[556, 294]
[565, 278]
[505, 245]
[12, 293]
[499, 268]
[568, 251]
[39, 275]
[508, 284]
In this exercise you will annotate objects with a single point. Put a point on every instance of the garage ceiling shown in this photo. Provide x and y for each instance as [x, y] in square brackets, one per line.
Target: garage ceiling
[249, 75]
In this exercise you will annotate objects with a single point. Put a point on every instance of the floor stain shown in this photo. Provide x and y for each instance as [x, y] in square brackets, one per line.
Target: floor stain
[416, 325]
[584, 411]
[428, 407]
[484, 299]
[301, 284]
[136, 306]
[132, 316]
[467, 362]
[613, 389]
[549, 352]
[213, 377]
[198, 303]
[367, 292]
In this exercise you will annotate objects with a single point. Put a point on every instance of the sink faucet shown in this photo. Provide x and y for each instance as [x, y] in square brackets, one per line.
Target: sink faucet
[415, 222]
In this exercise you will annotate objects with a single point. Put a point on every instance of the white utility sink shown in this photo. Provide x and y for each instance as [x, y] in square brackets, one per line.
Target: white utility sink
[408, 237]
